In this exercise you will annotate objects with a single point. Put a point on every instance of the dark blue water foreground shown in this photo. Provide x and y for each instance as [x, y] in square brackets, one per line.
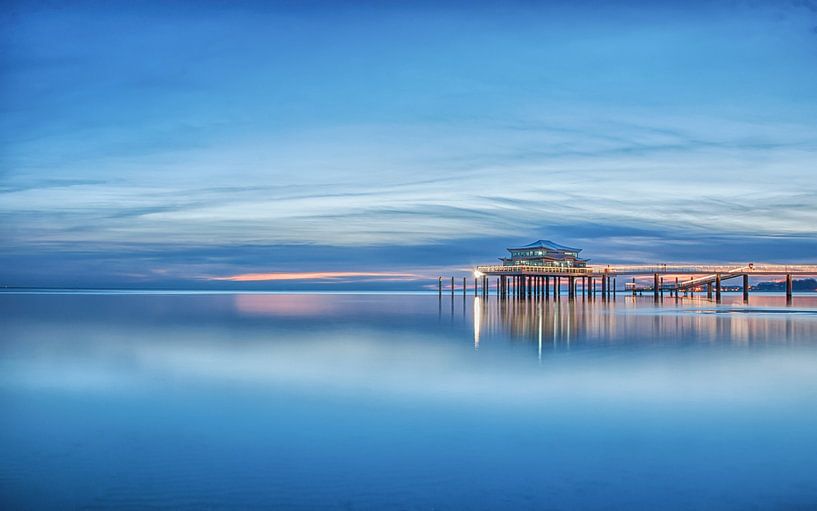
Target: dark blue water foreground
[196, 401]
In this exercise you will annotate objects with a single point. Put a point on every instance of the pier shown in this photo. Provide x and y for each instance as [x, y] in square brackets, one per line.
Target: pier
[533, 270]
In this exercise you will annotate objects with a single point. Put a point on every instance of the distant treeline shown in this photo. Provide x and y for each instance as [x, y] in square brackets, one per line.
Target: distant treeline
[797, 285]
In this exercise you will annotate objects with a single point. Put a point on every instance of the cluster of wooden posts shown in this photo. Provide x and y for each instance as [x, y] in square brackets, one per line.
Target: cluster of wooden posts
[538, 286]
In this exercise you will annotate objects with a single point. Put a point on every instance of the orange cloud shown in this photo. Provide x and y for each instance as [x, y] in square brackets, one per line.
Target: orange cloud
[315, 275]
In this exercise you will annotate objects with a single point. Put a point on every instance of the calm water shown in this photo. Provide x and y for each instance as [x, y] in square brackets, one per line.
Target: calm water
[247, 401]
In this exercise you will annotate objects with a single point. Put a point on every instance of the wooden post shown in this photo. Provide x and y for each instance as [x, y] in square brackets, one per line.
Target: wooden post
[788, 288]
[557, 288]
[709, 290]
[718, 287]
[604, 286]
[655, 285]
[452, 287]
[440, 286]
[746, 287]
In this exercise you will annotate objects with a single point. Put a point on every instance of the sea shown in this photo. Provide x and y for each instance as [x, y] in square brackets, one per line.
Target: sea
[377, 401]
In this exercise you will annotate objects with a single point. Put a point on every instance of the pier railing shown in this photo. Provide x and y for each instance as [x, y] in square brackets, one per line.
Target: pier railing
[533, 270]
[700, 269]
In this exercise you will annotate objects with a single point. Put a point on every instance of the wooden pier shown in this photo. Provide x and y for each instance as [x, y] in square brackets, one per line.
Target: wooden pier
[543, 282]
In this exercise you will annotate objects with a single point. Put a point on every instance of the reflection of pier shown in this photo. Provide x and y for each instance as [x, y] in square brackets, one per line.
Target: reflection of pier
[567, 324]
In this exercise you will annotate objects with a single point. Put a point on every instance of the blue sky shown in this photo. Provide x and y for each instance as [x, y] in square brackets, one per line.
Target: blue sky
[166, 143]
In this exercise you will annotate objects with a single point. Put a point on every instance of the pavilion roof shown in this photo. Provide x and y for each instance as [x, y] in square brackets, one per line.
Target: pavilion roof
[547, 244]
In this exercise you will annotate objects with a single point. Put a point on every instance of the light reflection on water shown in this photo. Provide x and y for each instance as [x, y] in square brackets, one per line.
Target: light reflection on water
[406, 401]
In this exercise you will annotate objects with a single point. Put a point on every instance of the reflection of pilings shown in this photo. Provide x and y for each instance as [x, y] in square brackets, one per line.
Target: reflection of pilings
[788, 289]
[745, 287]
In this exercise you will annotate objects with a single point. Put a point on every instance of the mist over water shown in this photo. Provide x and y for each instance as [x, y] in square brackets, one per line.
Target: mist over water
[373, 401]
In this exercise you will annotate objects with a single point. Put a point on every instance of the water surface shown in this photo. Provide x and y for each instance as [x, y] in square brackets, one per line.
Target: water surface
[388, 401]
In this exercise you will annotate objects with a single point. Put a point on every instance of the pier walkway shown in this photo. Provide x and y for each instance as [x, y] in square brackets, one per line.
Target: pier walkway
[537, 281]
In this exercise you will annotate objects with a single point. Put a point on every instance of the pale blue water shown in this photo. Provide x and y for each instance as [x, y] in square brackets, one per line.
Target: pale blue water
[255, 401]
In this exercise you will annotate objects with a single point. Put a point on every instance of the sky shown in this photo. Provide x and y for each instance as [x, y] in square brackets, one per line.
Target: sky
[283, 145]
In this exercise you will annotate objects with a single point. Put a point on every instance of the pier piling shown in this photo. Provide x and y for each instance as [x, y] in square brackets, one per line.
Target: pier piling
[718, 287]
[745, 288]
[788, 289]
[656, 282]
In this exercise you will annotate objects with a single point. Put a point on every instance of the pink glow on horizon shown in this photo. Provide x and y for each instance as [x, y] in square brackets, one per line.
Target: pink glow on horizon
[317, 275]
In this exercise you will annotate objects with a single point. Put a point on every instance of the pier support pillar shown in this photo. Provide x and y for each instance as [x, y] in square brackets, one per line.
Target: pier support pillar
[464, 286]
[571, 287]
[718, 287]
[440, 286]
[547, 288]
[745, 288]
[655, 286]
[475, 286]
[709, 290]
[557, 287]
[788, 288]
[604, 280]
